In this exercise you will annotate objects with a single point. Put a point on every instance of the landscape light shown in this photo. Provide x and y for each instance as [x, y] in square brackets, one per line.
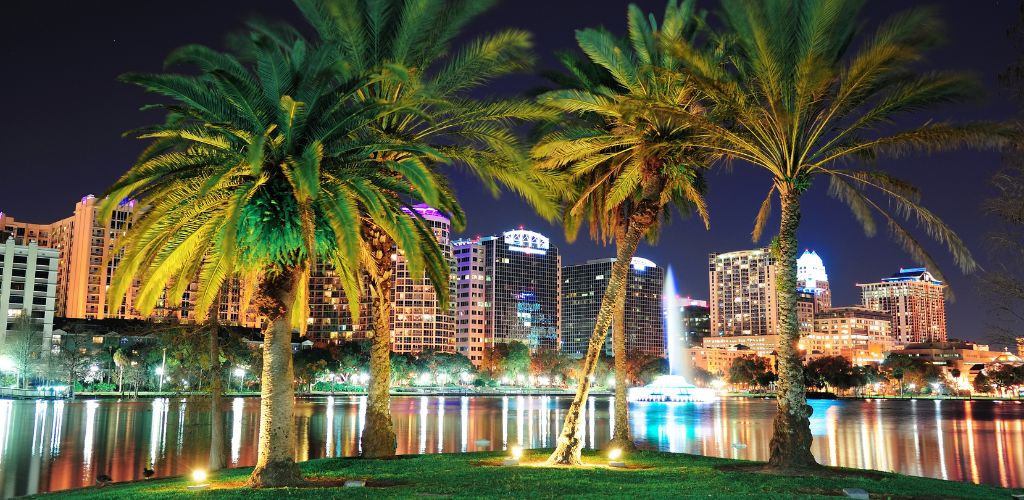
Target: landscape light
[159, 371]
[613, 458]
[239, 372]
[517, 453]
[199, 476]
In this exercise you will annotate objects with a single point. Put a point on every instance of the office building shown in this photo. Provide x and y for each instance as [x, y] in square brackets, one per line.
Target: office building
[812, 278]
[508, 288]
[696, 317]
[915, 301]
[583, 288]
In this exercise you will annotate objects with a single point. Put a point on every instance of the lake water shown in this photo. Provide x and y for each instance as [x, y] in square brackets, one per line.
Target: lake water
[55, 445]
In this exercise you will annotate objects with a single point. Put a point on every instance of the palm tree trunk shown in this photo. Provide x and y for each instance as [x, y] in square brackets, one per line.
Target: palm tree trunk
[275, 461]
[570, 443]
[791, 438]
[216, 395]
[378, 439]
[622, 437]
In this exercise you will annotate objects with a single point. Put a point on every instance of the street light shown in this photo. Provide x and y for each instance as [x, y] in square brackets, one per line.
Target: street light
[160, 376]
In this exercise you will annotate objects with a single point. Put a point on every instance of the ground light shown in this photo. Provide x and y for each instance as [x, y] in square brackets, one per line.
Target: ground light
[517, 453]
[613, 458]
[199, 476]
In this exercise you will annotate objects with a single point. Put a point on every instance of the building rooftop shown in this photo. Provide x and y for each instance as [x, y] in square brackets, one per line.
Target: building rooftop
[912, 274]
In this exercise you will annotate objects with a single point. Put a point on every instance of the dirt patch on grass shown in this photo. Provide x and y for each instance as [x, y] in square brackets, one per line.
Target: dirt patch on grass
[816, 471]
[497, 462]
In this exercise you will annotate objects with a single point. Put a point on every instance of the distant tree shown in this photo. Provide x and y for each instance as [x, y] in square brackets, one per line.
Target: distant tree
[517, 362]
[310, 364]
[911, 370]
[402, 368]
[701, 377]
[982, 384]
[832, 372]
[647, 369]
[72, 359]
[23, 346]
[750, 370]
[351, 359]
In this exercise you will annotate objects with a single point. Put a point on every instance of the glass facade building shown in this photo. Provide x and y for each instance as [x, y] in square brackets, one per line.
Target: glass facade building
[507, 289]
[583, 287]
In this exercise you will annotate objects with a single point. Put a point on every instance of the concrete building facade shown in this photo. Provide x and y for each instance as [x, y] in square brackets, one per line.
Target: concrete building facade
[743, 300]
[28, 287]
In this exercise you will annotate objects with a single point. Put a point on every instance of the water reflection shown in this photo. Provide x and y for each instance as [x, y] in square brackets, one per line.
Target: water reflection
[72, 442]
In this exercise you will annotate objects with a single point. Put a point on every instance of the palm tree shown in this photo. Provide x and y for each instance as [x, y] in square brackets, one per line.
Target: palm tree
[804, 103]
[374, 35]
[630, 163]
[265, 165]
[120, 361]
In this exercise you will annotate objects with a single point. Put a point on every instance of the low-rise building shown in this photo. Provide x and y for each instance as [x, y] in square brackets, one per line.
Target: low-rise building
[762, 345]
[717, 361]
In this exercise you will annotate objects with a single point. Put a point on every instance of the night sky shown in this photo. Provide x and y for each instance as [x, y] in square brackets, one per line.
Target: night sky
[66, 113]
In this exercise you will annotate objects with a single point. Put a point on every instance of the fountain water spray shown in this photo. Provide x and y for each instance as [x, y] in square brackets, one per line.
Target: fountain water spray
[674, 386]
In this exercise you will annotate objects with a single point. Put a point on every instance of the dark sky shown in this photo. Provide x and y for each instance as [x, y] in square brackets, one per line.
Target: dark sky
[65, 115]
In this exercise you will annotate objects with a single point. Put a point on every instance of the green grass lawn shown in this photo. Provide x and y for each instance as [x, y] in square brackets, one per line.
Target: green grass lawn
[474, 475]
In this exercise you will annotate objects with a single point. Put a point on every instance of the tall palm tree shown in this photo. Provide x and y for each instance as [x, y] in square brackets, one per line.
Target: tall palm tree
[267, 163]
[374, 35]
[630, 163]
[805, 101]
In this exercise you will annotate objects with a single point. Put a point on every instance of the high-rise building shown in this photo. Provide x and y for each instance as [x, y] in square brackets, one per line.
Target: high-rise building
[696, 322]
[508, 289]
[583, 287]
[86, 265]
[743, 299]
[811, 277]
[915, 301]
[28, 286]
[806, 308]
[419, 319]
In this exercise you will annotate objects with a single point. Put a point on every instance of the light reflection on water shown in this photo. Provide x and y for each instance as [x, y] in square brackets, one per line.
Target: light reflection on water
[54, 445]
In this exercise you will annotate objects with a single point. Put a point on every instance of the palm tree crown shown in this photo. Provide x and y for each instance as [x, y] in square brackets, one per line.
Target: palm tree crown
[265, 167]
[629, 152]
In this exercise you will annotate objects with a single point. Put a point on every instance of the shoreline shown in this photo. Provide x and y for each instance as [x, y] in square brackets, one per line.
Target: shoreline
[453, 392]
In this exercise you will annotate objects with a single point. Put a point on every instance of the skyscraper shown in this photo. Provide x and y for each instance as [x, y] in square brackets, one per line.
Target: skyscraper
[811, 277]
[508, 288]
[915, 301]
[583, 287]
[743, 299]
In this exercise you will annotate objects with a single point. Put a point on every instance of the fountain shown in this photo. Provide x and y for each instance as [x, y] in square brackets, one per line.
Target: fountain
[673, 387]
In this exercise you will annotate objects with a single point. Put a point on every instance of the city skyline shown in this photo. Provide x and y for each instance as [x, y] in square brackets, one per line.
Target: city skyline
[121, 38]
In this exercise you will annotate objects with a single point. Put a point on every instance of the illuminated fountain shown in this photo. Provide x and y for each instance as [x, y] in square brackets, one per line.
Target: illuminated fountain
[674, 386]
